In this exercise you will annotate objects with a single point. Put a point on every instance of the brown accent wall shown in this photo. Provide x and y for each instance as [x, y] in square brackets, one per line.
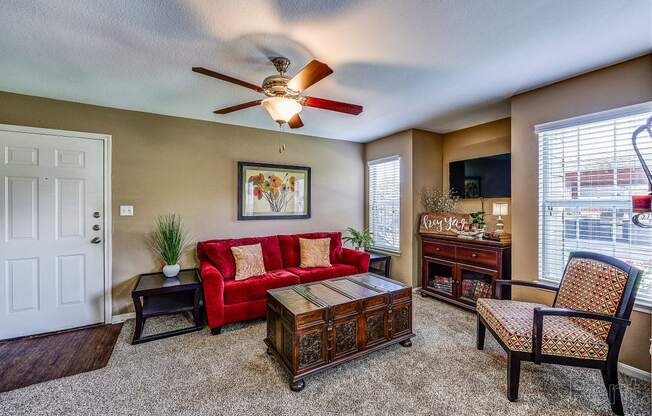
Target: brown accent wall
[486, 139]
[427, 150]
[167, 164]
[616, 86]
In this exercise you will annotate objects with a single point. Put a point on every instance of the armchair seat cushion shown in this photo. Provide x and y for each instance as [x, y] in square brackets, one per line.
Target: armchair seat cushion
[255, 287]
[313, 274]
[512, 322]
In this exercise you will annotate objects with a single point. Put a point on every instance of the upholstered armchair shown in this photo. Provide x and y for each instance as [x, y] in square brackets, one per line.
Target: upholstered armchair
[584, 327]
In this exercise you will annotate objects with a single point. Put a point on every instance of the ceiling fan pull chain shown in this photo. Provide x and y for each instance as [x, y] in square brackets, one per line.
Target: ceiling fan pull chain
[281, 146]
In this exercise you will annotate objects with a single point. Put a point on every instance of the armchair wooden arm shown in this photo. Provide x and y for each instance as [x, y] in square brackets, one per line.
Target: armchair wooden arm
[539, 313]
[528, 283]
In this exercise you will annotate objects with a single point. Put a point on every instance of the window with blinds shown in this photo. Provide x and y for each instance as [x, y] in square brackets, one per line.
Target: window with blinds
[588, 171]
[385, 203]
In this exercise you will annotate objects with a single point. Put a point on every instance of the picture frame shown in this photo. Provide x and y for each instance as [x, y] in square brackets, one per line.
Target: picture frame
[472, 187]
[269, 191]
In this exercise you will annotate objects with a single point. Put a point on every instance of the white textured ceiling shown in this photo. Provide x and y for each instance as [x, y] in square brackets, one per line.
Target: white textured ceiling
[439, 65]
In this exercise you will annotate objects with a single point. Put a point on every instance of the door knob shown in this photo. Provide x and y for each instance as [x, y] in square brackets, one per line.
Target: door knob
[96, 240]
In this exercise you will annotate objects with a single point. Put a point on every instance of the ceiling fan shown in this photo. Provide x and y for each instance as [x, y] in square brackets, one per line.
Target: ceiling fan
[284, 101]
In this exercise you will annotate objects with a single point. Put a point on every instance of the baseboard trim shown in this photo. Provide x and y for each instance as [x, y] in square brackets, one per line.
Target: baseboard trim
[116, 319]
[628, 370]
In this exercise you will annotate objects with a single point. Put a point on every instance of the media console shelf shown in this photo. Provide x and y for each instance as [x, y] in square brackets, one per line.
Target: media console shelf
[460, 271]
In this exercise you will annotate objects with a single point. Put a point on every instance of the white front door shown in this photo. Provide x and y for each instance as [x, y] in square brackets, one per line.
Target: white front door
[51, 233]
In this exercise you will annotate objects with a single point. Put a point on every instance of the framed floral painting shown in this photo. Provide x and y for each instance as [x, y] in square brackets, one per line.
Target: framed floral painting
[267, 191]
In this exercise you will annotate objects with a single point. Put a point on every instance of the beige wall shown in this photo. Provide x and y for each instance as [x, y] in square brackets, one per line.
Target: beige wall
[398, 144]
[167, 164]
[420, 153]
[616, 86]
[486, 139]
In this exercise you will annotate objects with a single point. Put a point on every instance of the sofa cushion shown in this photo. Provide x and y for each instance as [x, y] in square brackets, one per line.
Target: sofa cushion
[248, 261]
[291, 253]
[219, 253]
[254, 288]
[313, 274]
[314, 252]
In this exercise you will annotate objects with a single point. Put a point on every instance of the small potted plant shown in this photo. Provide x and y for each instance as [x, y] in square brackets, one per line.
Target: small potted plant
[477, 218]
[360, 240]
[169, 241]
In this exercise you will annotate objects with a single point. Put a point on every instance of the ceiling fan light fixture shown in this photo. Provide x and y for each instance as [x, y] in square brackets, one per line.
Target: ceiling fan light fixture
[281, 109]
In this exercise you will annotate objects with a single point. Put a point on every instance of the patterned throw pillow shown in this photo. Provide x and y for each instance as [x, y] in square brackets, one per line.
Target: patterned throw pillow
[315, 252]
[248, 261]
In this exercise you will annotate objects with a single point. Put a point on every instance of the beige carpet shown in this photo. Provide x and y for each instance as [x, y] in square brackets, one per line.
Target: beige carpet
[230, 374]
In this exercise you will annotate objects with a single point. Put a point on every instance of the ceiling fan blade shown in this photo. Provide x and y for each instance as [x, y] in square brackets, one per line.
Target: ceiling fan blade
[309, 75]
[332, 105]
[226, 78]
[295, 122]
[237, 107]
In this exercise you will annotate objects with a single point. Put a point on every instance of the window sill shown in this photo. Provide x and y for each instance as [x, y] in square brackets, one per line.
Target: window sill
[385, 251]
[643, 307]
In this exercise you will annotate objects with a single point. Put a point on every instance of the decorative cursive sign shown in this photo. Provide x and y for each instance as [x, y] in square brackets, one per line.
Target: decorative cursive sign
[442, 223]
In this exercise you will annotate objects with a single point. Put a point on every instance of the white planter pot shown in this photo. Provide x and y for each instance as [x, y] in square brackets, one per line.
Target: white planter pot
[171, 270]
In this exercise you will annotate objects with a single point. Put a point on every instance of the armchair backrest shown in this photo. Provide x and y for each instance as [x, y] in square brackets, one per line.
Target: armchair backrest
[598, 283]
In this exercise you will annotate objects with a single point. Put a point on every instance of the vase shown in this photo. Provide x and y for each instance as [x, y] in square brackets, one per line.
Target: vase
[171, 270]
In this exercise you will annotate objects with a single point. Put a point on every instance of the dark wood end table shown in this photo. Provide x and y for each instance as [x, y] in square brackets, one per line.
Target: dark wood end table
[380, 263]
[157, 295]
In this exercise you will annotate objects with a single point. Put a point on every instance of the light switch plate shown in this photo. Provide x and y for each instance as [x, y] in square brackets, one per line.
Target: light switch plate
[126, 210]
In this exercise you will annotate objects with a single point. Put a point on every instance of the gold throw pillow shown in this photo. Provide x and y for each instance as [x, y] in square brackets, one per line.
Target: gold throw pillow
[315, 252]
[248, 261]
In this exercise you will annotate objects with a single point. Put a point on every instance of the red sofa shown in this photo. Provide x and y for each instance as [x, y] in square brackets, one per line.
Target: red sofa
[228, 300]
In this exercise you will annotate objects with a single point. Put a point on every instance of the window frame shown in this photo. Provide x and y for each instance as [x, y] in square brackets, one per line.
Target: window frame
[642, 305]
[370, 163]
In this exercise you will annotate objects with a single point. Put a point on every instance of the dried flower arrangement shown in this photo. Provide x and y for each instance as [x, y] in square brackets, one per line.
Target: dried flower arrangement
[435, 200]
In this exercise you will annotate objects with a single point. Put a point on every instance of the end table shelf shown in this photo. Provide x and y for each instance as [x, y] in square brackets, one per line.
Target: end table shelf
[156, 295]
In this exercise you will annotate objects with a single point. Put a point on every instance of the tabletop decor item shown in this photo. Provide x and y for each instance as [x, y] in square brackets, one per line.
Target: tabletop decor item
[360, 240]
[436, 200]
[475, 229]
[267, 191]
[477, 219]
[500, 209]
[642, 204]
[443, 223]
[470, 233]
[169, 241]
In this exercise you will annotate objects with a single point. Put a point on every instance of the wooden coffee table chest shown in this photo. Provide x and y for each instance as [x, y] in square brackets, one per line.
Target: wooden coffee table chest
[315, 326]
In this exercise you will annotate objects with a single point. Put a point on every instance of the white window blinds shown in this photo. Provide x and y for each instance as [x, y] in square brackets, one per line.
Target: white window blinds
[588, 171]
[385, 202]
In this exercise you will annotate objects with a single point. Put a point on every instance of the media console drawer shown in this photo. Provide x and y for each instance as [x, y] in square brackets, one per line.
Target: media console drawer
[439, 250]
[478, 256]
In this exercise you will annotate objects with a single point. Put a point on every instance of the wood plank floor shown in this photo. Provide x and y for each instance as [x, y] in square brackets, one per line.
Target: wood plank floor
[31, 360]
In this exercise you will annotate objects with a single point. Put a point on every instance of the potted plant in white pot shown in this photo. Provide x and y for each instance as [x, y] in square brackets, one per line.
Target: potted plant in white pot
[360, 240]
[169, 241]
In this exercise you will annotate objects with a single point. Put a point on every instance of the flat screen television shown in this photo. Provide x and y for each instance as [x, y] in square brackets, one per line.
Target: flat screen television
[485, 177]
